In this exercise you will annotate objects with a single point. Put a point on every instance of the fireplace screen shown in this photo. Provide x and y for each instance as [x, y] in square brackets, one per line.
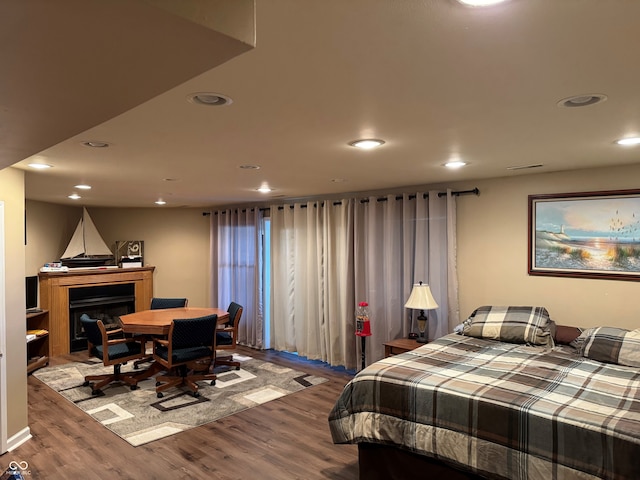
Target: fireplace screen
[103, 302]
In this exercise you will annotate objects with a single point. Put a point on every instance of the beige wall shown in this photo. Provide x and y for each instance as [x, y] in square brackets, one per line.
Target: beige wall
[12, 194]
[49, 229]
[492, 251]
[176, 242]
[492, 247]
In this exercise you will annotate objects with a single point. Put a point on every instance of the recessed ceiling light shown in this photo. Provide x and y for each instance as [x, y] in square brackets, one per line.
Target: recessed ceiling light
[209, 99]
[83, 187]
[264, 189]
[629, 141]
[582, 100]
[40, 166]
[481, 3]
[455, 164]
[95, 144]
[249, 167]
[75, 196]
[367, 143]
[160, 202]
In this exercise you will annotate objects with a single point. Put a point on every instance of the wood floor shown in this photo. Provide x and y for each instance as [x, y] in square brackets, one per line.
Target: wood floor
[287, 438]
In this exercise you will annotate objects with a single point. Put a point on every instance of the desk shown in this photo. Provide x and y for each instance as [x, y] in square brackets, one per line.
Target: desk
[157, 322]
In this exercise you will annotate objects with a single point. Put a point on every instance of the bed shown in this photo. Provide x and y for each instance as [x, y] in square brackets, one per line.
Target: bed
[503, 400]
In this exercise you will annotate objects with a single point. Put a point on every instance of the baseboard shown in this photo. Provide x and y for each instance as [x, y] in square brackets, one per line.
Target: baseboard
[18, 439]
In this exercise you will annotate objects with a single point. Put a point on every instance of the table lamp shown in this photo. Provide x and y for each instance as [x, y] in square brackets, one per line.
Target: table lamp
[421, 299]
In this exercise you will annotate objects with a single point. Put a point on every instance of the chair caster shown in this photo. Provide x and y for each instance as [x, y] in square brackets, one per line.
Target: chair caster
[97, 393]
[136, 367]
[237, 368]
[213, 383]
[134, 387]
[159, 395]
[195, 394]
[86, 384]
[158, 384]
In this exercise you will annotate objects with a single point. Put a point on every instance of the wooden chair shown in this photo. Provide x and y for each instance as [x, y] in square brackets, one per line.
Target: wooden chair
[191, 343]
[112, 351]
[158, 303]
[226, 336]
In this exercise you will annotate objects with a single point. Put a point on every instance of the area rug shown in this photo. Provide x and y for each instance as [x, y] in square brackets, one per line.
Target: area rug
[139, 417]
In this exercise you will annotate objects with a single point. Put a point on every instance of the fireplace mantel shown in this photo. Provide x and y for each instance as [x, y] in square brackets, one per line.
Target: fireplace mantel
[54, 296]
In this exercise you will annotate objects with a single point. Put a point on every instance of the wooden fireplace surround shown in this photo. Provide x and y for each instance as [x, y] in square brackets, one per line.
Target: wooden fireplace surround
[54, 296]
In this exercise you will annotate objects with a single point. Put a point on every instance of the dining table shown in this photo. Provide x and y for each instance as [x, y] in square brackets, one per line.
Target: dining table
[157, 322]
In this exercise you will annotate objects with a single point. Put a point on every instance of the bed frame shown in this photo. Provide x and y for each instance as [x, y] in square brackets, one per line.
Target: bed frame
[383, 462]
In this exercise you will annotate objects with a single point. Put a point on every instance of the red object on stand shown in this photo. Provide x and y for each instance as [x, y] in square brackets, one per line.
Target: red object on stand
[363, 327]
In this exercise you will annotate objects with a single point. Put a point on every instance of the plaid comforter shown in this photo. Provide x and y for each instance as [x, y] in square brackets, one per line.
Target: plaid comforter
[498, 409]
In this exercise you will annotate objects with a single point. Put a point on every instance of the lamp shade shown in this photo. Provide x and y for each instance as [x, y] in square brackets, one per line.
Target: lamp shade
[421, 298]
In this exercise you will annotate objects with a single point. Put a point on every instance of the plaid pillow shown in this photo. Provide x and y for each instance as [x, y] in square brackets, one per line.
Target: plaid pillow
[512, 324]
[611, 345]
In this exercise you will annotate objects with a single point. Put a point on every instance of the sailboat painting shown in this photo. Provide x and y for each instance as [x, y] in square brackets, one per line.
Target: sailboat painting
[86, 248]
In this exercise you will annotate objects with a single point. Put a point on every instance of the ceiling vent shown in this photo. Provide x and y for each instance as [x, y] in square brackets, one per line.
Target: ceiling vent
[525, 167]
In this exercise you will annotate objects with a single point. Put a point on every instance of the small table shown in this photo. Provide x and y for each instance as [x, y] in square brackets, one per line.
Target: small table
[400, 345]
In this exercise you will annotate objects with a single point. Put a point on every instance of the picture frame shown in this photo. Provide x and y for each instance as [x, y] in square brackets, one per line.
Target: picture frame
[585, 235]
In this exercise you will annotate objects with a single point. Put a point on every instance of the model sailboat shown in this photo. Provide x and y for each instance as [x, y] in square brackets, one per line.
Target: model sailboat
[86, 248]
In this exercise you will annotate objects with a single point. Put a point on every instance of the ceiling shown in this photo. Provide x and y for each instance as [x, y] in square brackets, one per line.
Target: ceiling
[433, 78]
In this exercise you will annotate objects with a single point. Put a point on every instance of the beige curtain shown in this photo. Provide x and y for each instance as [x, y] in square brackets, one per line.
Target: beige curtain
[312, 280]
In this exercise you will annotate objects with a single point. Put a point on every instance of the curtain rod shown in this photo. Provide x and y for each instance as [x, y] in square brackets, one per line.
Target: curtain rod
[474, 191]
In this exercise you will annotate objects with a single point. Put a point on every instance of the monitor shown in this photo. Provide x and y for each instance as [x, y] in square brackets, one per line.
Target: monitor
[31, 291]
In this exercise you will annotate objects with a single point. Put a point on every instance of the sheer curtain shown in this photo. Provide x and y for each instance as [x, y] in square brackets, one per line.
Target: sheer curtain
[237, 268]
[399, 241]
[312, 280]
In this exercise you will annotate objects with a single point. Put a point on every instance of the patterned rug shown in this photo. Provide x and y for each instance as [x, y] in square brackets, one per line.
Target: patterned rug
[139, 417]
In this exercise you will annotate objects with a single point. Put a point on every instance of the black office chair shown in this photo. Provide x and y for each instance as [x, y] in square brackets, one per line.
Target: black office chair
[226, 336]
[158, 303]
[191, 344]
[112, 351]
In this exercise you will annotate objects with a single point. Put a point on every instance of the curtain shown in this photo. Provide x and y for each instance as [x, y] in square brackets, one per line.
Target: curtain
[237, 269]
[312, 280]
[399, 241]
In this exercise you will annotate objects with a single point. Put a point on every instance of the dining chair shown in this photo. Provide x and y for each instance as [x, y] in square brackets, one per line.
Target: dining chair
[158, 303]
[227, 336]
[190, 344]
[112, 351]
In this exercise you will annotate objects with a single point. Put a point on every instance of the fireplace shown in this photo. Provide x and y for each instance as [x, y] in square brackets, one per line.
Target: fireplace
[103, 302]
[56, 290]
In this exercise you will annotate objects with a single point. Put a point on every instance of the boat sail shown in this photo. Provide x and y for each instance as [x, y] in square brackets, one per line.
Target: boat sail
[86, 248]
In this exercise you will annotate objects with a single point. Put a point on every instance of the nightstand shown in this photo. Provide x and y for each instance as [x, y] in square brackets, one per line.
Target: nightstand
[400, 345]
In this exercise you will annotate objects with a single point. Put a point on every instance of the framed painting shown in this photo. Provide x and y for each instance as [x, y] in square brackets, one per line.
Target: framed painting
[585, 234]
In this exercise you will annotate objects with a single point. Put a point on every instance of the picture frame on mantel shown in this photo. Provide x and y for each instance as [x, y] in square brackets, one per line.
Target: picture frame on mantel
[585, 235]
